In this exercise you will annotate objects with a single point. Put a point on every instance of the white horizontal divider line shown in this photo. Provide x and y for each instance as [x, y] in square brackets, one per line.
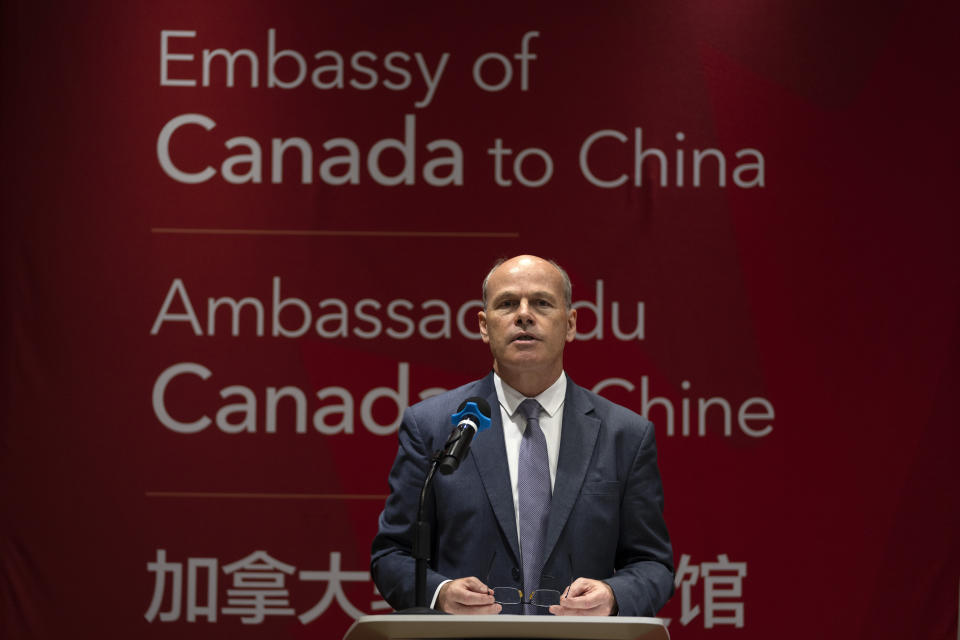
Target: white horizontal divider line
[264, 495]
[334, 233]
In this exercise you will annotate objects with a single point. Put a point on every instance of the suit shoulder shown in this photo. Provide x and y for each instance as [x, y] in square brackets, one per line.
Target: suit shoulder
[448, 401]
[616, 415]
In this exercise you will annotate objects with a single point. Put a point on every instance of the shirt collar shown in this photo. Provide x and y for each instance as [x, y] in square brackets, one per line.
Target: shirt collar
[551, 399]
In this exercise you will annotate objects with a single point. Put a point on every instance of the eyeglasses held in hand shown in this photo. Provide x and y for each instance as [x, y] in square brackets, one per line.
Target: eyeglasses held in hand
[537, 598]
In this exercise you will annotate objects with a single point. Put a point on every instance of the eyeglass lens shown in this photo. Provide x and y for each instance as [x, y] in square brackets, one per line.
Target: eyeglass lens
[539, 598]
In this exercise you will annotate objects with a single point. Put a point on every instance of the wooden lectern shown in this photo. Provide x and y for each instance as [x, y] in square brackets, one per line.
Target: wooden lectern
[423, 627]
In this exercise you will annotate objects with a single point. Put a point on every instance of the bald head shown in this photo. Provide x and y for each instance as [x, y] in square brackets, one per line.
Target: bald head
[525, 261]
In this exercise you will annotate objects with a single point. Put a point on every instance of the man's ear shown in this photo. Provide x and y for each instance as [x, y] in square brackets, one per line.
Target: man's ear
[482, 322]
[571, 325]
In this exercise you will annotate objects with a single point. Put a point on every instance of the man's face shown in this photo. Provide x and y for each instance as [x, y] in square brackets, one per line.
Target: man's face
[525, 321]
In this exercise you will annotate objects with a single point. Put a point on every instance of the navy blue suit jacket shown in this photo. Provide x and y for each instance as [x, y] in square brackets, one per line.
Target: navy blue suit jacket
[606, 514]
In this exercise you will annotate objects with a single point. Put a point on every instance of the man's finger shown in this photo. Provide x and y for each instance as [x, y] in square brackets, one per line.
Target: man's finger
[578, 587]
[587, 601]
[473, 584]
[465, 595]
[561, 610]
[586, 597]
[472, 598]
[578, 595]
[470, 591]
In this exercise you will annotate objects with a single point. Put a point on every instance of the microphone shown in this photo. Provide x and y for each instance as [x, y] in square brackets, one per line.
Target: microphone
[472, 417]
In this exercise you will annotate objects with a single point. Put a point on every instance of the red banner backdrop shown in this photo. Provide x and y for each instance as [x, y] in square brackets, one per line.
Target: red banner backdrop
[240, 238]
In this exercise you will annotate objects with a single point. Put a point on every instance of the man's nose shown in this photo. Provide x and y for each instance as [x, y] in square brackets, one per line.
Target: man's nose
[524, 316]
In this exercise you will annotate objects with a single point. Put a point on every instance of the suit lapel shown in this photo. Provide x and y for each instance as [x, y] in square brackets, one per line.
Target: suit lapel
[577, 441]
[489, 452]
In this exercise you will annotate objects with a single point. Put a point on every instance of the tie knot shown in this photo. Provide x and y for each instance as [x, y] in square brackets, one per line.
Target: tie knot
[530, 409]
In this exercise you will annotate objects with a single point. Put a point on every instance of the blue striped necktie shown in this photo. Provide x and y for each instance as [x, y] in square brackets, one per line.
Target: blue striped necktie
[533, 489]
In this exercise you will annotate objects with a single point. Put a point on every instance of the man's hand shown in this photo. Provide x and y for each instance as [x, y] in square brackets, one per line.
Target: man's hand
[586, 597]
[467, 595]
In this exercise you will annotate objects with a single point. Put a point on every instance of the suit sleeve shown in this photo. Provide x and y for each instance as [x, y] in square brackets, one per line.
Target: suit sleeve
[644, 576]
[392, 564]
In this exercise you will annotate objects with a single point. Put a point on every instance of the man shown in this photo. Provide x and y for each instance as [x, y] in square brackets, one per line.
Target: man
[599, 521]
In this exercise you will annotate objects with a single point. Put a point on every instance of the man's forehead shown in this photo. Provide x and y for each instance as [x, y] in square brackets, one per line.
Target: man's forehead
[514, 290]
[525, 275]
[530, 283]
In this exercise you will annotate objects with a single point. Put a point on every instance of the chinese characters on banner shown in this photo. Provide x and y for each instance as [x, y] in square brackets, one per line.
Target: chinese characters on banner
[722, 584]
[258, 588]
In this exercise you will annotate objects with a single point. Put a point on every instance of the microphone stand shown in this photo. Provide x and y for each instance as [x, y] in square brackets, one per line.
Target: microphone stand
[447, 460]
[421, 539]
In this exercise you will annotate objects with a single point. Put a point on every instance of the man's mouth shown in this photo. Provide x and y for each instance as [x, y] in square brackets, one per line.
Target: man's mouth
[525, 337]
